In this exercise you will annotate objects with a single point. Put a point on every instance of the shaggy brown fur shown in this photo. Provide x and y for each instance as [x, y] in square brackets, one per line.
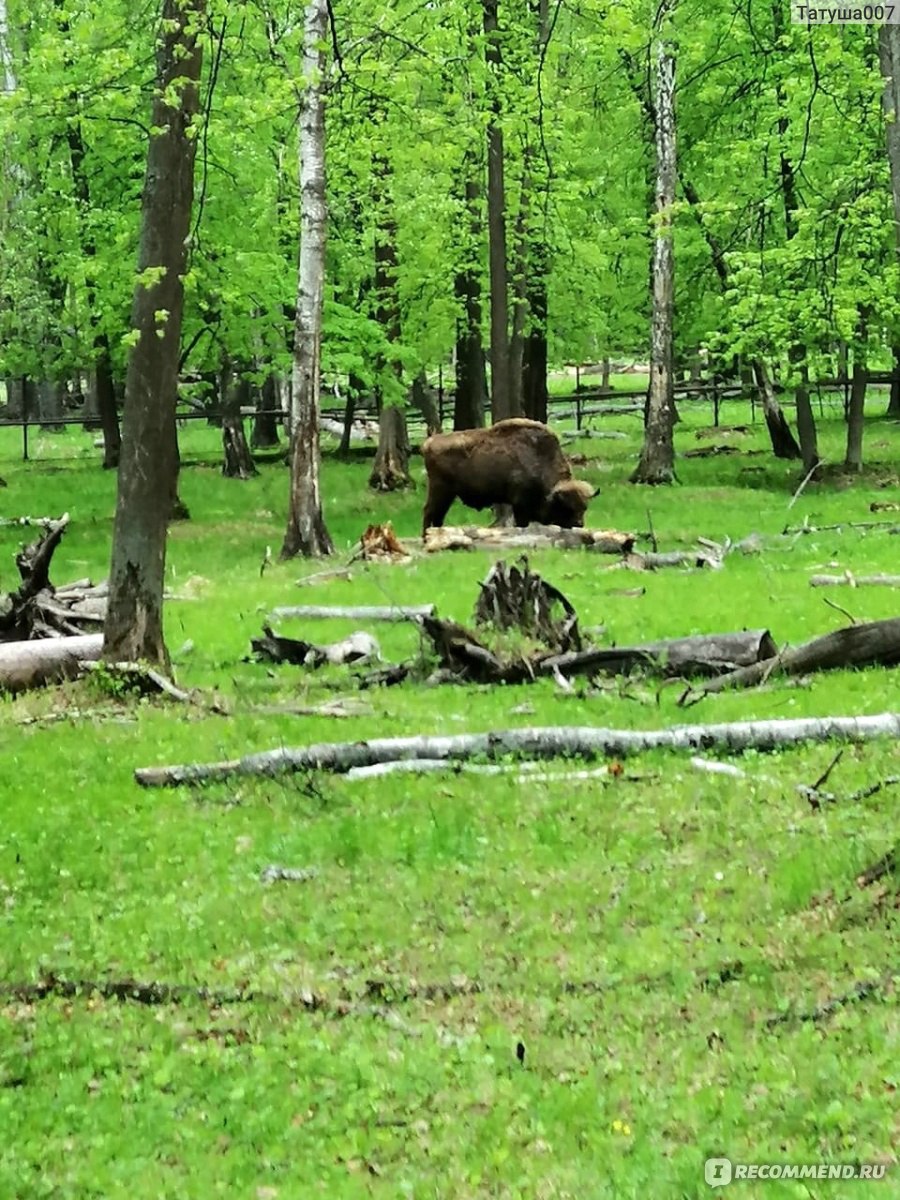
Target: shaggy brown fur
[516, 462]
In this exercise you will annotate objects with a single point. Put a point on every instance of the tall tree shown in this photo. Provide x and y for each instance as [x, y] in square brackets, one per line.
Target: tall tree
[657, 461]
[306, 531]
[471, 390]
[148, 468]
[501, 397]
[889, 60]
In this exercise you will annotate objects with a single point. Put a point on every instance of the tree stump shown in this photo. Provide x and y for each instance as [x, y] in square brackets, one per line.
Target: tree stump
[391, 469]
[517, 598]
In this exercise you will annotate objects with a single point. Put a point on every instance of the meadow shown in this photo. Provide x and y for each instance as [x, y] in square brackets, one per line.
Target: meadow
[485, 986]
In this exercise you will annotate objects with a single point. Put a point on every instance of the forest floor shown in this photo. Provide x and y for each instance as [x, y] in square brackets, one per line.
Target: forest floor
[635, 933]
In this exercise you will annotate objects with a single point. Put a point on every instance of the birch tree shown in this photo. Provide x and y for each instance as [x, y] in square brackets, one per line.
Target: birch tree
[657, 461]
[889, 60]
[148, 468]
[306, 531]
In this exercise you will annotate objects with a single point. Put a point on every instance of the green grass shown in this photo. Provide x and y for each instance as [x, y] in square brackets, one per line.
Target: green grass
[595, 917]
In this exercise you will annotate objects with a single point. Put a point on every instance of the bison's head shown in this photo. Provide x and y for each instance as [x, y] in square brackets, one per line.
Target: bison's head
[567, 503]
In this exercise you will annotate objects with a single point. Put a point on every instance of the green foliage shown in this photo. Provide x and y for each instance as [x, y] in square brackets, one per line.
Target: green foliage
[409, 99]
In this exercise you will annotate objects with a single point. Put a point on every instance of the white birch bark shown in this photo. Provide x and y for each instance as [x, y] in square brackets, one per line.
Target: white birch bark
[306, 532]
[657, 462]
[588, 742]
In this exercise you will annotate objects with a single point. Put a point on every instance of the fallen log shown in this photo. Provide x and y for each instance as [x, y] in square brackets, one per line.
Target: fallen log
[883, 526]
[653, 561]
[874, 643]
[701, 654]
[357, 612]
[25, 665]
[12, 522]
[322, 576]
[848, 579]
[586, 742]
[611, 435]
[534, 537]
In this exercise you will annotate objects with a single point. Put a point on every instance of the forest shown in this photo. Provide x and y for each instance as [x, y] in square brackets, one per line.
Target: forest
[356, 843]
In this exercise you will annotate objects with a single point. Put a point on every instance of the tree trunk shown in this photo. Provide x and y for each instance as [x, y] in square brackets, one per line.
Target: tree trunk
[784, 444]
[889, 59]
[423, 398]
[893, 409]
[238, 462]
[388, 368]
[106, 405]
[265, 422]
[471, 384]
[853, 460]
[534, 371]
[148, 472]
[355, 388]
[90, 414]
[306, 532]
[15, 386]
[519, 293]
[657, 461]
[501, 400]
[806, 421]
[391, 468]
[51, 405]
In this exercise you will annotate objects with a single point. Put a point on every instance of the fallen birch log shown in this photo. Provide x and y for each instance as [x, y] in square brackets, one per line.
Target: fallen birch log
[875, 643]
[25, 665]
[653, 560]
[848, 579]
[884, 526]
[586, 742]
[611, 435]
[357, 612]
[534, 537]
[520, 772]
[11, 522]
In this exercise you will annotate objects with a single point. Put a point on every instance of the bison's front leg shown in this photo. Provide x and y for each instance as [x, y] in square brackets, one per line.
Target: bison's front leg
[437, 504]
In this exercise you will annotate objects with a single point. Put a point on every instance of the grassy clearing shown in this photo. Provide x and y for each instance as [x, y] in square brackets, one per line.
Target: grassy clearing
[634, 935]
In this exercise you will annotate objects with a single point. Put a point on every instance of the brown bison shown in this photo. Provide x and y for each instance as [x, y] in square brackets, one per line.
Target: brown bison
[517, 462]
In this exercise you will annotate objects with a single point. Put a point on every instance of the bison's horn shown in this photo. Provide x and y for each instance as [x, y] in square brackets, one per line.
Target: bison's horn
[578, 487]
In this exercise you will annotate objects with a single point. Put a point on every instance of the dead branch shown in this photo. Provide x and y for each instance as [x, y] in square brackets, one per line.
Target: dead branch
[322, 576]
[875, 643]
[356, 612]
[275, 874]
[889, 864]
[883, 526]
[587, 742]
[137, 677]
[863, 990]
[524, 772]
[273, 648]
[14, 522]
[651, 561]
[848, 579]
